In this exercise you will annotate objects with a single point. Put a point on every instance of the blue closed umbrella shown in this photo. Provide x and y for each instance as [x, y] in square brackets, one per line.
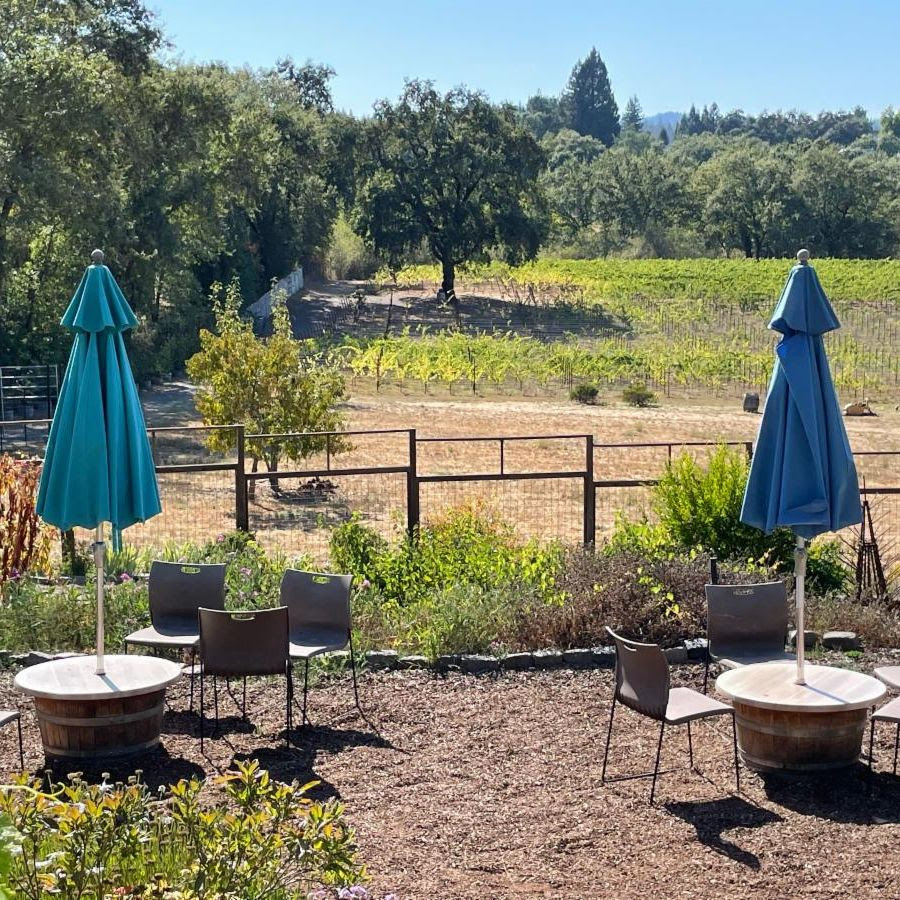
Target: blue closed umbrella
[98, 466]
[802, 476]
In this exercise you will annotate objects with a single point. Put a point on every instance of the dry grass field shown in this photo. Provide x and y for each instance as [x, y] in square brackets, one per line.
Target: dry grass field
[296, 518]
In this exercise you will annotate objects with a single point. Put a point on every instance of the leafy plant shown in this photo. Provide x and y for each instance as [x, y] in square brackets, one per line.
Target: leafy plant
[638, 394]
[258, 838]
[584, 393]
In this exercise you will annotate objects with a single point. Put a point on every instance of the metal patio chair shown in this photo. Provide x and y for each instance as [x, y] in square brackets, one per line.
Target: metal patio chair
[242, 644]
[319, 614]
[13, 715]
[746, 624]
[177, 591]
[642, 684]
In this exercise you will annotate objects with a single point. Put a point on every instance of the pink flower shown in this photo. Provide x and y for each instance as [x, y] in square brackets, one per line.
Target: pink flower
[366, 583]
[220, 538]
[125, 577]
[245, 571]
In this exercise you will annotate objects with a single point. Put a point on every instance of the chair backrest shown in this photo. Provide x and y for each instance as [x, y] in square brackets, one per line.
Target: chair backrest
[316, 600]
[748, 618]
[252, 642]
[642, 676]
[177, 590]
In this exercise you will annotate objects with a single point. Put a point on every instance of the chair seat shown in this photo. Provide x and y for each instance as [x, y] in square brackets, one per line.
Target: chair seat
[686, 704]
[8, 715]
[150, 637]
[890, 675]
[736, 660]
[305, 644]
[890, 712]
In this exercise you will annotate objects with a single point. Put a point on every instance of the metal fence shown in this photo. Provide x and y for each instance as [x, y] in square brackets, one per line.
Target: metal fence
[559, 487]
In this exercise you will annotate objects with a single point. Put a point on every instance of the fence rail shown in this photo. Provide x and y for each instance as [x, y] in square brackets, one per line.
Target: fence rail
[561, 486]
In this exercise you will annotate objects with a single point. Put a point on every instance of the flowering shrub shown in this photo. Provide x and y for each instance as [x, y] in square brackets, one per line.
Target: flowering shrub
[24, 541]
[262, 839]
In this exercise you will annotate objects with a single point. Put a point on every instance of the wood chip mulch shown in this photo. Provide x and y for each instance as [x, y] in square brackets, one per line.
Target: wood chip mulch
[490, 788]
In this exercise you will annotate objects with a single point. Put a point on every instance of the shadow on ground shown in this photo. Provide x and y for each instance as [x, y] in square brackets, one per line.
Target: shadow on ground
[712, 818]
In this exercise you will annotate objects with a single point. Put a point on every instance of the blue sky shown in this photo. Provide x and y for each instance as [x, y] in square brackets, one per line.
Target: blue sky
[671, 54]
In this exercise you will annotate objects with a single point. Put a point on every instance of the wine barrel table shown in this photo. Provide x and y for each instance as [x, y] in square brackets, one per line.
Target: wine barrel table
[890, 675]
[784, 726]
[83, 715]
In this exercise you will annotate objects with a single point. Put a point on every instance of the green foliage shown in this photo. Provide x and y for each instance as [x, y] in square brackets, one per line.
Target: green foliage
[584, 393]
[589, 100]
[700, 507]
[638, 394]
[347, 255]
[258, 838]
[467, 545]
[453, 172]
[271, 386]
[826, 571]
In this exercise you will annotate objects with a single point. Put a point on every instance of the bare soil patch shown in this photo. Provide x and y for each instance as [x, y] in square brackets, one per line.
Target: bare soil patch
[490, 787]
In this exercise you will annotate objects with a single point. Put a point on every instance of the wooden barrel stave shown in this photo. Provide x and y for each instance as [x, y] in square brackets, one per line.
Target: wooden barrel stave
[97, 728]
[776, 740]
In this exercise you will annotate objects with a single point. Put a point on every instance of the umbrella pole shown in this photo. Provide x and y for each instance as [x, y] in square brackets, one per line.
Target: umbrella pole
[100, 569]
[799, 591]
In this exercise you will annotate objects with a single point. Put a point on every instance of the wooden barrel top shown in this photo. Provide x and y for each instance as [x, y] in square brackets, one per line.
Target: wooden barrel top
[827, 688]
[890, 675]
[74, 678]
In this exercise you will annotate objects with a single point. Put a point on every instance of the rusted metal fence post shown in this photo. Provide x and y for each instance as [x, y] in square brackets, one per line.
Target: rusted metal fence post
[241, 503]
[590, 493]
[412, 486]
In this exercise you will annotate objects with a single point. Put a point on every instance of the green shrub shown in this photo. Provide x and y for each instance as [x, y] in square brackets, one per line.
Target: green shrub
[638, 394]
[584, 393]
[701, 507]
[467, 545]
[347, 255]
[261, 839]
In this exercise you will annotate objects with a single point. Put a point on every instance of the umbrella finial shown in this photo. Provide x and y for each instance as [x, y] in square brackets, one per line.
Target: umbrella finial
[97, 257]
[803, 257]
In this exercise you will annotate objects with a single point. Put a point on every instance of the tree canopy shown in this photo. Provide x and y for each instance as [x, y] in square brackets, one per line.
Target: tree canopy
[453, 173]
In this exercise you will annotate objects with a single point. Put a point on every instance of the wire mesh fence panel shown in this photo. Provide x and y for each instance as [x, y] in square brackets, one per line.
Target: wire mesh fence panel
[539, 508]
[24, 439]
[196, 507]
[877, 469]
[193, 445]
[631, 502]
[296, 515]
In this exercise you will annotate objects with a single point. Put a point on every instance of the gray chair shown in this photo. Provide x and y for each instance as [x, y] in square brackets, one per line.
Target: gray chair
[242, 644]
[642, 684]
[746, 624]
[177, 591]
[319, 615]
[13, 715]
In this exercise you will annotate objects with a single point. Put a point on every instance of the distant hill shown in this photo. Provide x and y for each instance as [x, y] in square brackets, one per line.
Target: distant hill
[667, 120]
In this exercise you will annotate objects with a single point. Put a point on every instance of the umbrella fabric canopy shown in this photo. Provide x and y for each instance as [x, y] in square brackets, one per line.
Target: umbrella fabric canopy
[802, 475]
[98, 466]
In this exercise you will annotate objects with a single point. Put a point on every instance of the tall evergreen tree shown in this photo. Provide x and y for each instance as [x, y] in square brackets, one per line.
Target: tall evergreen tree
[664, 136]
[689, 123]
[633, 117]
[590, 102]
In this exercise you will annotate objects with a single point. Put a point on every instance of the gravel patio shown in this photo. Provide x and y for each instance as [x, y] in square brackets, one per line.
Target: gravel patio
[489, 787]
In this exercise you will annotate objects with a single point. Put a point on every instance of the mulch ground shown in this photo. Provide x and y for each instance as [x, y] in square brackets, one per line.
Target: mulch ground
[490, 788]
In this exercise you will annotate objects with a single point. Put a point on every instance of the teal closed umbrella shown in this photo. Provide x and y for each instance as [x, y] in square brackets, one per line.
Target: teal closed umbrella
[98, 466]
[803, 476]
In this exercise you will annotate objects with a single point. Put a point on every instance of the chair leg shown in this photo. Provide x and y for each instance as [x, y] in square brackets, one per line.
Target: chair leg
[612, 711]
[21, 750]
[353, 670]
[737, 768]
[706, 669]
[193, 663]
[305, 690]
[896, 746]
[662, 729]
[871, 740]
[244, 705]
[201, 711]
[216, 699]
[289, 696]
[690, 746]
